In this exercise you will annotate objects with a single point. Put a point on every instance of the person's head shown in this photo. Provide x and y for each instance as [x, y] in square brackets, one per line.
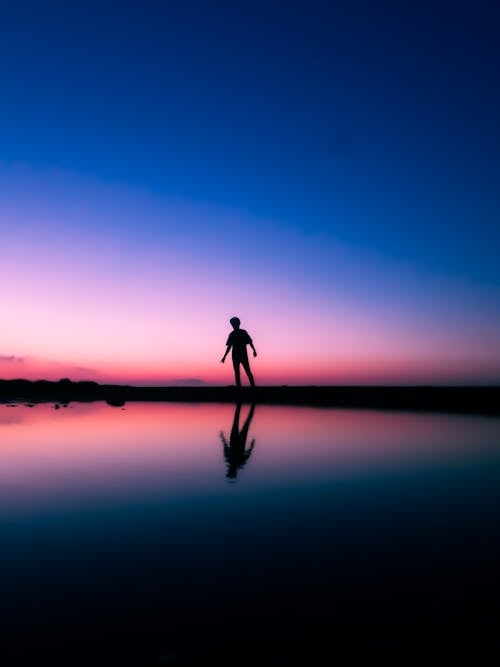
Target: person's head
[235, 322]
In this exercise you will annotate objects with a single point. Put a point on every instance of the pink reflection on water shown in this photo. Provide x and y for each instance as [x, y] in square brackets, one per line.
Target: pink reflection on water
[90, 450]
[350, 440]
[94, 446]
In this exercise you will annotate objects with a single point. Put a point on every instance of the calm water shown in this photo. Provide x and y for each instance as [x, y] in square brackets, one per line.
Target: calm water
[164, 533]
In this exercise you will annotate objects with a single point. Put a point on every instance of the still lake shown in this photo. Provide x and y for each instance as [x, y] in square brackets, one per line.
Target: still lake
[172, 533]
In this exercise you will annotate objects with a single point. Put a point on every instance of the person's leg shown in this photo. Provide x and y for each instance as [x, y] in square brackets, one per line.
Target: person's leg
[246, 365]
[236, 366]
[235, 430]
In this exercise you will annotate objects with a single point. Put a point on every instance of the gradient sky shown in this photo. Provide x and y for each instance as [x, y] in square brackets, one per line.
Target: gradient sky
[327, 171]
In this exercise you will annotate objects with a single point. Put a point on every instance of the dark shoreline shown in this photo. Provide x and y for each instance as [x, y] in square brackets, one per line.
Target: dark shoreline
[466, 400]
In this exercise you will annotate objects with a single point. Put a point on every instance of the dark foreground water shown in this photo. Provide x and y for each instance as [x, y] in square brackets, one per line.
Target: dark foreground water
[187, 534]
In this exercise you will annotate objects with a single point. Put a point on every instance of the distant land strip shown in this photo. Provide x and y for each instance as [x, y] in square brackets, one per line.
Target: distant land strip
[466, 400]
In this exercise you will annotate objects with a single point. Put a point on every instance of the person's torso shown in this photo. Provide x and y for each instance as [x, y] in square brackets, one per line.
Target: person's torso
[240, 340]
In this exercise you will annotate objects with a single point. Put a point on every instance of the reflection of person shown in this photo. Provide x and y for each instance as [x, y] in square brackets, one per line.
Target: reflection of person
[236, 453]
[238, 340]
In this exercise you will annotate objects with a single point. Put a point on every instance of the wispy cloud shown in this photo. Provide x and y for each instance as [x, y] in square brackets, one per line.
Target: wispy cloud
[187, 382]
[36, 368]
[83, 369]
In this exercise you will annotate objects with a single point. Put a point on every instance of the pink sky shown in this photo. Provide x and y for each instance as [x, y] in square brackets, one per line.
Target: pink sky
[92, 291]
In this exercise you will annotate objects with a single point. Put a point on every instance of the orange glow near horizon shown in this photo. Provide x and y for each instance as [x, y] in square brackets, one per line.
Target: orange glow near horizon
[335, 370]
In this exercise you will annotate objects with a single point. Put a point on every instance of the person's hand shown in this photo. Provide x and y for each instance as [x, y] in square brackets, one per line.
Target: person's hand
[254, 353]
[223, 360]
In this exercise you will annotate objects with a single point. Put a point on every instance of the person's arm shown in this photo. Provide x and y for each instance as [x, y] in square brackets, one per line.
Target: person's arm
[226, 353]
[249, 341]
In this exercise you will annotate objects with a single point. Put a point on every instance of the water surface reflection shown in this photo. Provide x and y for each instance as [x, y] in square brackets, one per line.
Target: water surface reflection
[236, 452]
[88, 450]
[119, 530]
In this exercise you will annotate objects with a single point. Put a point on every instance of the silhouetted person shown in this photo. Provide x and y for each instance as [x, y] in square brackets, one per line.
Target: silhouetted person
[235, 452]
[238, 340]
